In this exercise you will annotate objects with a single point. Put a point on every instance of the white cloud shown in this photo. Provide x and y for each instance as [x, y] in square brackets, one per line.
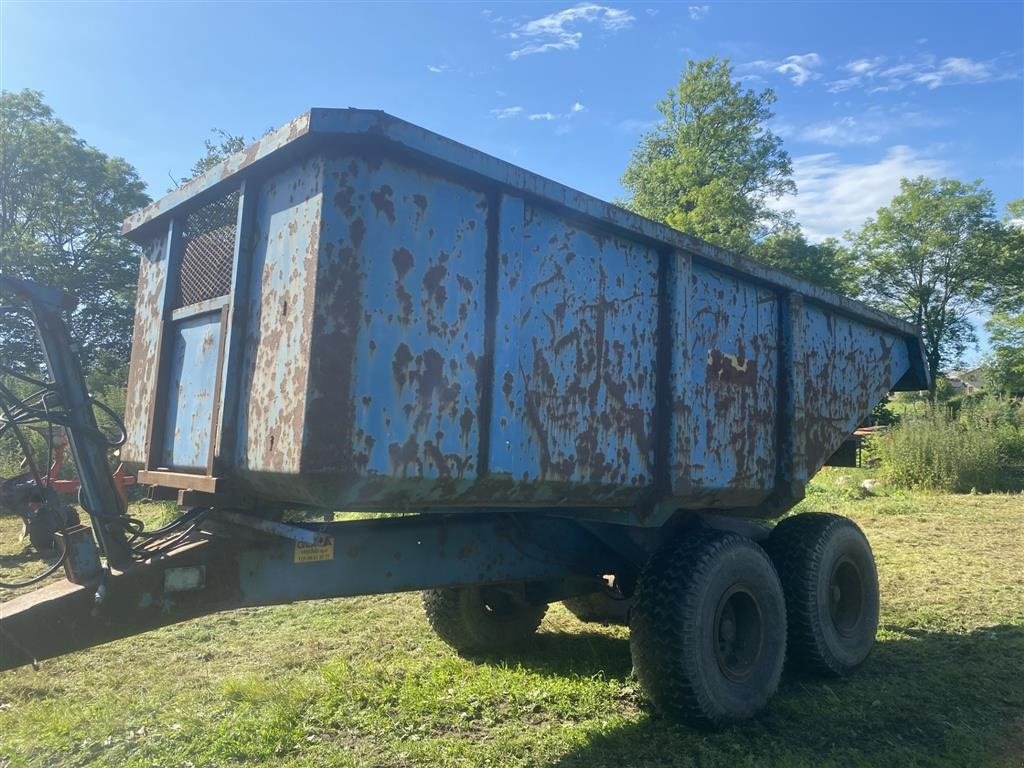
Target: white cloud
[864, 66]
[559, 31]
[507, 112]
[956, 70]
[799, 68]
[546, 117]
[924, 70]
[844, 84]
[841, 133]
[868, 127]
[438, 69]
[834, 196]
[698, 12]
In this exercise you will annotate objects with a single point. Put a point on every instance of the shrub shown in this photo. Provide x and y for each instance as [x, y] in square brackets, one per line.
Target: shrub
[978, 447]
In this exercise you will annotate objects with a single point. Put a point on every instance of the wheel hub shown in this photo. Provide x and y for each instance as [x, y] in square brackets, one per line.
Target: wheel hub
[846, 596]
[739, 633]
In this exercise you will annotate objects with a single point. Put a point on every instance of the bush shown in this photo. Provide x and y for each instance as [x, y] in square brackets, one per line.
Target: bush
[980, 446]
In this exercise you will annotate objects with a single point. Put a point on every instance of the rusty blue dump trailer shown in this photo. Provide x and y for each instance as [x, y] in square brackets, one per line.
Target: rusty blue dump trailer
[566, 400]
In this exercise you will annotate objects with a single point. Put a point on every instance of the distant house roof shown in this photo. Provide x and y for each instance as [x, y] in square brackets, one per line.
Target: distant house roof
[968, 381]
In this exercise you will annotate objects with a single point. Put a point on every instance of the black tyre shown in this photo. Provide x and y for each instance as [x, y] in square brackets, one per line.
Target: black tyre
[45, 523]
[481, 619]
[708, 629]
[600, 607]
[831, 585]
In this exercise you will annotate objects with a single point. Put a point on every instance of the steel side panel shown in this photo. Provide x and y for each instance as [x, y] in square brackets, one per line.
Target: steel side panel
[724, 386]
[282, 276]
[849, 367]
[574, 383]
[146, 331]
[399, 327]
[188, 416]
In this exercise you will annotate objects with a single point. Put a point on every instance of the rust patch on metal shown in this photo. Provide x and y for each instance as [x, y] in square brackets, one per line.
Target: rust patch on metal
[382, 201]
[731, 369]
[400, 364]
[402, 259]
[433, 283]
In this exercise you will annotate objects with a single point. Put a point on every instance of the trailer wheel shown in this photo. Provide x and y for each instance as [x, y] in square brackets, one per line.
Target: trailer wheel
[831, 585]
[481, 619]
[708, 629]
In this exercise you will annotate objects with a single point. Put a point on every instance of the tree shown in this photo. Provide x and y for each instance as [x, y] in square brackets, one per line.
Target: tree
[1006, 326]
[827, 264]
[1009, 290]
[222, 146]
[1006, 365]
[930, 257]
[711, 166]
[61, 207]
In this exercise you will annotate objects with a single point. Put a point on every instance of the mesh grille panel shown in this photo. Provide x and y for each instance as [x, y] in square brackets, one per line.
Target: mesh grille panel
[208, 250]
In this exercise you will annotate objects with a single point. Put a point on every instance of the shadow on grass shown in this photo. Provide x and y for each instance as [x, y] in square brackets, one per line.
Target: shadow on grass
[569, 653]
[922, 699]
[26, 556]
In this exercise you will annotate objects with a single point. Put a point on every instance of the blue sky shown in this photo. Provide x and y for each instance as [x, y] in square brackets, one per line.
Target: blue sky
[867, 92]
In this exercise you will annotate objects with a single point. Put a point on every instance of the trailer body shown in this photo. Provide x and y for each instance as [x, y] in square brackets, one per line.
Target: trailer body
[357, 313]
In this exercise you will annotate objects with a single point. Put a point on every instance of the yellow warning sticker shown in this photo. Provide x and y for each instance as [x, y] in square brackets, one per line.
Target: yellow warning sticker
[313, 553]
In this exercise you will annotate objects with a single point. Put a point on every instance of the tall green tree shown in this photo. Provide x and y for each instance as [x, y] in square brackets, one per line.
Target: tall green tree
[61, 207]
[827, 263]
[1009, 290]
[711, 167]
[1006, 326]
[931, 257]
[1006, 364]
[222, 146]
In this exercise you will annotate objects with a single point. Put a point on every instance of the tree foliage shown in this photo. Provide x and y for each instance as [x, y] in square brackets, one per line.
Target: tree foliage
[711, 166]
[1006, 326]
[1006, 365]
[931, 257]
[827, 264]
[1009, 289]
[222, 146]
[61, 207]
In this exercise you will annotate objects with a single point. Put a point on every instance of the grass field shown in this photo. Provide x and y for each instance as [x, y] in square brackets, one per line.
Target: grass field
[363, 682]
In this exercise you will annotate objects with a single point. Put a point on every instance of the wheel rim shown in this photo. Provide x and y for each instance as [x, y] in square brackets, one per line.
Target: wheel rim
[846, 596]
[495, 602]
[739, 633]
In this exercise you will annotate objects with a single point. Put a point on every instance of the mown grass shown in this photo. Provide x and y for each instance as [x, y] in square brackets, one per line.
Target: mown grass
[363, 682]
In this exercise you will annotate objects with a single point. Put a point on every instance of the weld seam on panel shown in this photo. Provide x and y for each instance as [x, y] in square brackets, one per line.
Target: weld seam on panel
[789, 468]
[238, 310]
[486, 375]
[154, 447]
[663, 376]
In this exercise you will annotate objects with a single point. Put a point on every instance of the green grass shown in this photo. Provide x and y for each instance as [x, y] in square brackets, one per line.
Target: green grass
[363, 682]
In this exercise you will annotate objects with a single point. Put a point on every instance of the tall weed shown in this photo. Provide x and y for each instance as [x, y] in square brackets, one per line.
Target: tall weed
[973, 448]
